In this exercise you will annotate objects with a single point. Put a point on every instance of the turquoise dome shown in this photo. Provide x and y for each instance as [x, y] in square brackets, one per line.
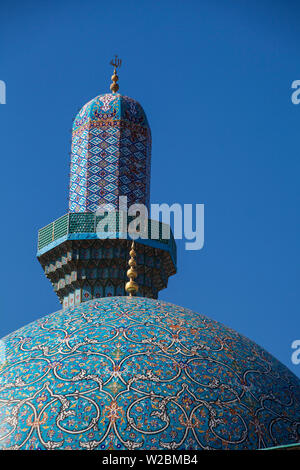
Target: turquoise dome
[111, 106]
[125, 373]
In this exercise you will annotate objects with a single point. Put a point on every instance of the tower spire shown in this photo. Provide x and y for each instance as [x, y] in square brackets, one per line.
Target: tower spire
[110, 159]
[116, 63]
[131, 286]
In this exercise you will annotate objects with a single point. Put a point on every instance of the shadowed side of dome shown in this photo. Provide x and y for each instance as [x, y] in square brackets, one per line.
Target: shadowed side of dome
[125, 373]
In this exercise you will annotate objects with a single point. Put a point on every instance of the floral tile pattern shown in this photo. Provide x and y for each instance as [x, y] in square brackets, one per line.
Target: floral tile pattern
[137, 373]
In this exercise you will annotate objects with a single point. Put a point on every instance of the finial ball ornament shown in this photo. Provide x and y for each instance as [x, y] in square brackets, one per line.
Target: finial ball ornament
[131, 286]
[114, 87]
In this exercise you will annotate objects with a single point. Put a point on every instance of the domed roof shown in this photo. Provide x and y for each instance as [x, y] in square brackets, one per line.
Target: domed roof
[123, 373]
[111, 106]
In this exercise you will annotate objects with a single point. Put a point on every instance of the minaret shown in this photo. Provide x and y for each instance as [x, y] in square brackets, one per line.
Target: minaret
[111, 152]
[110, 158]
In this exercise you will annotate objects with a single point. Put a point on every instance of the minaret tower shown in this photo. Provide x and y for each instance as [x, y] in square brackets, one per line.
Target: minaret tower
[110, 159]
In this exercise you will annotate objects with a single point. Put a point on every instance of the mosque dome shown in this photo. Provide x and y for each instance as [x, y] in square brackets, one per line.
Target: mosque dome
[138, 373]
[111, 107]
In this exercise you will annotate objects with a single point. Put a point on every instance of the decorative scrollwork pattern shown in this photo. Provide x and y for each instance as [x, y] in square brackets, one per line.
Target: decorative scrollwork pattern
[137, 373]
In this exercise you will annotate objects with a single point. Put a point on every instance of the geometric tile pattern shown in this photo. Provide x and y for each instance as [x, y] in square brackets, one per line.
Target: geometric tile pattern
[135, 373]
[111, 154]
[82, 263]
[83, 270]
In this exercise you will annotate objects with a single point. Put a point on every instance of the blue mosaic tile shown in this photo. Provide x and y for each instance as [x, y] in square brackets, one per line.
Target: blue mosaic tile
[110, 133]
[125, 373]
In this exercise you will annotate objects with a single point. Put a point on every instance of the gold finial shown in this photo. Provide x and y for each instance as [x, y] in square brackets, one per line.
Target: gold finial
[115, 63]
[131, 287]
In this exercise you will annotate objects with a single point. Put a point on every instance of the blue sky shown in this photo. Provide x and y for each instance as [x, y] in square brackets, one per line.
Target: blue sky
[214, 78]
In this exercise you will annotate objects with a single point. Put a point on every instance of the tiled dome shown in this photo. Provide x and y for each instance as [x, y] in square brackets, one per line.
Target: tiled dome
[111, 106]
[124, 373]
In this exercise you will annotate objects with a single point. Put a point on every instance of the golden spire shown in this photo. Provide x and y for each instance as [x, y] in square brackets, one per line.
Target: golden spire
[115, 63]
[131, 287]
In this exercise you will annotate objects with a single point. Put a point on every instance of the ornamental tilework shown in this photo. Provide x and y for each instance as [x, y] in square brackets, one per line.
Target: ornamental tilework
[111, 153]
[135, 373]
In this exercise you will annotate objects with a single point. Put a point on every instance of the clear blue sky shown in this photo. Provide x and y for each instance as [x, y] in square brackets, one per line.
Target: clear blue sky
[214, 78]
